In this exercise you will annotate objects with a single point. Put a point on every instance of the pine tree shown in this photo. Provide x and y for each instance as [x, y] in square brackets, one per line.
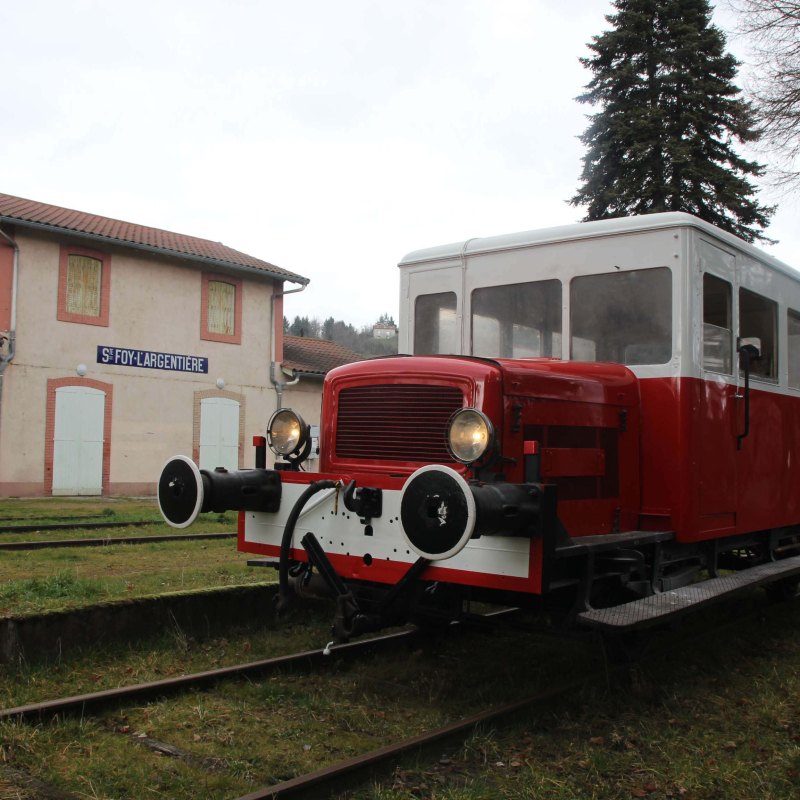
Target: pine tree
[670, 114]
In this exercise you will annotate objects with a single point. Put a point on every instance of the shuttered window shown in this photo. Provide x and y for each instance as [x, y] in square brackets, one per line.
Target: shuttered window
[84, 275]
[221, 307]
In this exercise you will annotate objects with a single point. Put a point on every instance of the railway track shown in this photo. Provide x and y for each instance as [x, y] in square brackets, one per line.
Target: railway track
[50, 516]
[178, 537]
[83, 526]
[355, 771]
[351, 773]
[96, 701]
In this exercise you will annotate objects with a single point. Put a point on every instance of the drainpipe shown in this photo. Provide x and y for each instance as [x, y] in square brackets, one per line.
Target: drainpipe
[12, 334]
[293, 374]
[278, 386]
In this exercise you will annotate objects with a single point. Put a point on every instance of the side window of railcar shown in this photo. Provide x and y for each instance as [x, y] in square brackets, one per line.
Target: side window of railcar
[435, 324]
[521, 320]
[717, 325]
[623, 317]
[794, 348]
[758, 316]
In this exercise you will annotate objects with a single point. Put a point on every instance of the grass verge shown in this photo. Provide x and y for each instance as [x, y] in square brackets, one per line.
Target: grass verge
[43, 580]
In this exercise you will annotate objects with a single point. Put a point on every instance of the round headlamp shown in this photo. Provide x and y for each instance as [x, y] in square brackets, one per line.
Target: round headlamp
[470, 435]
[286, 433]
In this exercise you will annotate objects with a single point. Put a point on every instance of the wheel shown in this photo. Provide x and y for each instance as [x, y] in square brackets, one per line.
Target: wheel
[783, 590]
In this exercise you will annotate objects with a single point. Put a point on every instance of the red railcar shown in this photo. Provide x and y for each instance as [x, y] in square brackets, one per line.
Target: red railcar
[586, 418]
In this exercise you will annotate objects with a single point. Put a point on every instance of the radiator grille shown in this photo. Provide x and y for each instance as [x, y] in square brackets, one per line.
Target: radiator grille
[396, 423]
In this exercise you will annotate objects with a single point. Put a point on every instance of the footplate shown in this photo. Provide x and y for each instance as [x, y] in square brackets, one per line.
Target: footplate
[658, 608]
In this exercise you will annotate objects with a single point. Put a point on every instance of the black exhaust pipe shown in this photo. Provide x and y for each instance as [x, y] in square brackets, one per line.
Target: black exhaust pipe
[184, 491]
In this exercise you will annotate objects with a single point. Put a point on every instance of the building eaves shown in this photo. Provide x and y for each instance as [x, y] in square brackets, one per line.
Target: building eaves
[41, 216]
[314, 357]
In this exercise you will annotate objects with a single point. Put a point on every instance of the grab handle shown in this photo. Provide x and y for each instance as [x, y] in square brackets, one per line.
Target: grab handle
[750, 349]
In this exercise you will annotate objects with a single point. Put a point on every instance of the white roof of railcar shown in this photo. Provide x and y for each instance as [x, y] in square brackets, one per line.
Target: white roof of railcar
[589, 230]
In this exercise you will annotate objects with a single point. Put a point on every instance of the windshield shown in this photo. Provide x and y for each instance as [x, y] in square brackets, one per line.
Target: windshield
[622, 317]
[522, 320]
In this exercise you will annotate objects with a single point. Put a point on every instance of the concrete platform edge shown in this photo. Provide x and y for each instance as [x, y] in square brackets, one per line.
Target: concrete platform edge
[50, 636]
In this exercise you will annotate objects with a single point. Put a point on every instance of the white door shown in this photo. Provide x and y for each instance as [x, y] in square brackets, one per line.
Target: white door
[78, 441]
[219, 433]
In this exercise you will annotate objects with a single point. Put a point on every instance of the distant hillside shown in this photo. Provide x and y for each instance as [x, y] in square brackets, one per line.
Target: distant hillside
[359, 340]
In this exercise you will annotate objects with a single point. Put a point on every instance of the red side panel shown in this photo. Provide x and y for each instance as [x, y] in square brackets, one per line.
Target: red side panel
[669, 465]
[718, 459]
[694, 479]
[768, 472]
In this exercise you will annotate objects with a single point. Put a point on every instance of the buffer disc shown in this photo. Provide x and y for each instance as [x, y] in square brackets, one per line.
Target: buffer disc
[180, 492]
[437, 512]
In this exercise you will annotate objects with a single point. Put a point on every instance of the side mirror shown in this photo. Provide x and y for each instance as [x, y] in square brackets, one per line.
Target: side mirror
[751, 346]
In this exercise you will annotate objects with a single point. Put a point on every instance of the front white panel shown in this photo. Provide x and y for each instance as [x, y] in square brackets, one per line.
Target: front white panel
[344, 534]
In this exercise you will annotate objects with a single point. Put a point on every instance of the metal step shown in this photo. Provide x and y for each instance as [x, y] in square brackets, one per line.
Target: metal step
[581, 545]
[658, 608]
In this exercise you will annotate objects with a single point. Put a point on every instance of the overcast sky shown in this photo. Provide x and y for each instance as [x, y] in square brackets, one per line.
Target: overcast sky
[327, 138]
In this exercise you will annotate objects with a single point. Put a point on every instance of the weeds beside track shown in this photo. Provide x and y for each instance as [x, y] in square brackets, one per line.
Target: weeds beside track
[297, 723]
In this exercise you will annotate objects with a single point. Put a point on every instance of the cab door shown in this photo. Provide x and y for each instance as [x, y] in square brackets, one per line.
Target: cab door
[718, 407]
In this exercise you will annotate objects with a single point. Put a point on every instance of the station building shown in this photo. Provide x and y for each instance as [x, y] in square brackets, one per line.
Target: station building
[123, 345]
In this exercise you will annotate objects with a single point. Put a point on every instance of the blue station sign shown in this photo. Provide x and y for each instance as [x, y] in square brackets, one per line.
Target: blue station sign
[149, 359]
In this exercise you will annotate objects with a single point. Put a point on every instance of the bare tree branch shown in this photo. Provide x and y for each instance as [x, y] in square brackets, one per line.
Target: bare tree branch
[772, 28]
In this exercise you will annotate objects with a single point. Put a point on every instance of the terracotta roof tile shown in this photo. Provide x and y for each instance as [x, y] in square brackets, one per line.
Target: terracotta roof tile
[20, 211]
[315, 356]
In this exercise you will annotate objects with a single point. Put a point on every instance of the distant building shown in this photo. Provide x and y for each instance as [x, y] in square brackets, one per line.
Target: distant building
[384, 331]
[122, 345]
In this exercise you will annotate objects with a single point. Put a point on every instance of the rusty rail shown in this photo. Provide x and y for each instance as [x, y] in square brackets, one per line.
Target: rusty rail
[89, 703]
[84, 526]
[346, 774]
[177, 537]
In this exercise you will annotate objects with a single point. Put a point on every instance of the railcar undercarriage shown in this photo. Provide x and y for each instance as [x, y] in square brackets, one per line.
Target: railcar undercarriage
[620, 583]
